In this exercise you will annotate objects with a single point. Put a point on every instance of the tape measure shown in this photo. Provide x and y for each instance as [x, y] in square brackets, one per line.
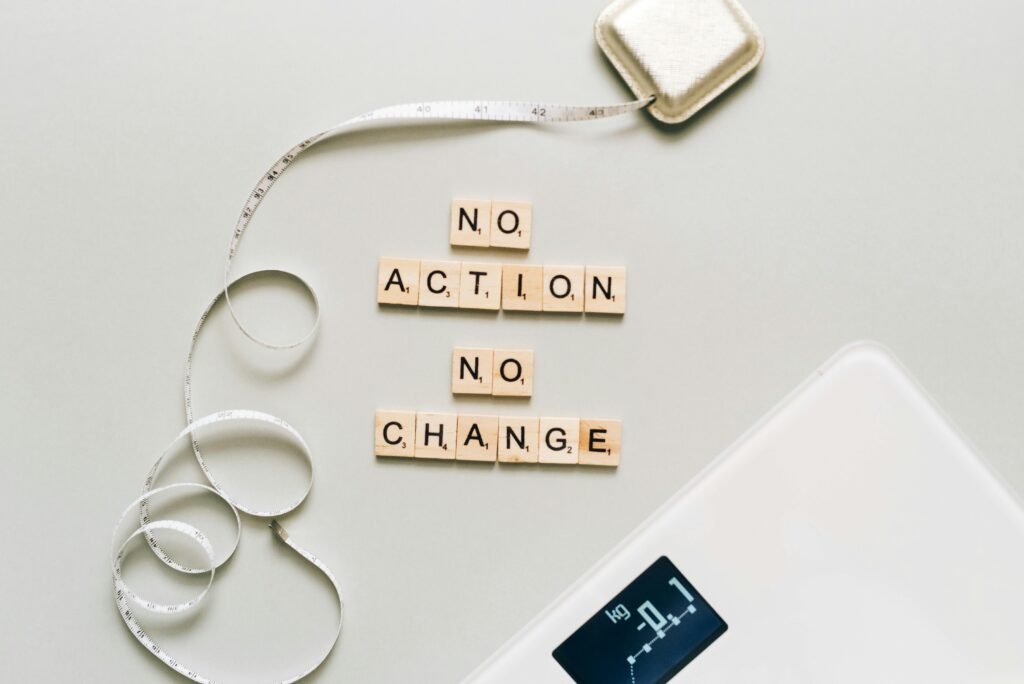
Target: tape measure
[126, 598]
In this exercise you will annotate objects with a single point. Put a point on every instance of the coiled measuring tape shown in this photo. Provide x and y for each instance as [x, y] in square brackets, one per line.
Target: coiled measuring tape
[125, 597]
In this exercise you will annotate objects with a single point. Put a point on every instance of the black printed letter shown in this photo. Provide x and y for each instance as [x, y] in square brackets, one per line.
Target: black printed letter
[561, 441]
[519, 370]
[387, 439]
[427, 434]
[430, 281]
[598, 286]
[463, 216]
[594, 441]
[395, 279]
[515, 226]
[568, 286]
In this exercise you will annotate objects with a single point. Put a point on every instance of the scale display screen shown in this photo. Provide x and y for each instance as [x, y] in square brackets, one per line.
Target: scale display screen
[650, 631]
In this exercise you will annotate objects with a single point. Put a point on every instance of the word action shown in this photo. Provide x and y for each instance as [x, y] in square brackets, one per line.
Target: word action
[498, 372]
[567, 441]
[482, 223]
[513, 287]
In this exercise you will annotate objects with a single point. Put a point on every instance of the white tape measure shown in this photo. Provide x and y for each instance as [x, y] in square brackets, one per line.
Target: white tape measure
[124, 596]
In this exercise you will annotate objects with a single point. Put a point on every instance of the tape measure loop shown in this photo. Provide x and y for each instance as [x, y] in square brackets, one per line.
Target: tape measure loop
[257, 511]
[125, 596]
[191, 533]
[308, 335]
[142, 504]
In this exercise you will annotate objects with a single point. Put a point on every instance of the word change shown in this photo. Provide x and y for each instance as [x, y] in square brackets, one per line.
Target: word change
[566, 441]
[513, 287]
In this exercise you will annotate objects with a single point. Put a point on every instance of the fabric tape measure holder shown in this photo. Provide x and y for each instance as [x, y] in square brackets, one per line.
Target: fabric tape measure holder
[126, 599]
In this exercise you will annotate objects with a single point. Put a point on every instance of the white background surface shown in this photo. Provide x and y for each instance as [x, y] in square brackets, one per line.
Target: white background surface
[865, 182]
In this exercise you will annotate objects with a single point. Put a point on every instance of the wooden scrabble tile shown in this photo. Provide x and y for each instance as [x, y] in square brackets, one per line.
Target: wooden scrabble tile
[435, 435]
[513, 373]
[477, 438]
[439, 283]
[605, 289]
[559, 440]
[398, 281]
[472, 370]
[518, 439]
[470, 223]
[600, 442]
[563, 288]
[511, 224]
[522, 287]
[394, 433]
[481, 286]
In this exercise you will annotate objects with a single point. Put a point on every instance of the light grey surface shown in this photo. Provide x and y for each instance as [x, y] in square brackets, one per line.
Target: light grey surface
[865, 182]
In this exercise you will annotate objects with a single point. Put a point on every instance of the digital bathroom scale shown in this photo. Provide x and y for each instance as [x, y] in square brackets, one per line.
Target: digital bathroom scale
[853, 535]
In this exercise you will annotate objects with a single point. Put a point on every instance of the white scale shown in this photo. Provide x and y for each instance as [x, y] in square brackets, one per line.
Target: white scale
[853, 535]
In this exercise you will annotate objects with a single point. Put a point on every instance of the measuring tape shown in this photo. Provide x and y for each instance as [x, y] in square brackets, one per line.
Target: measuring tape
[124, 597]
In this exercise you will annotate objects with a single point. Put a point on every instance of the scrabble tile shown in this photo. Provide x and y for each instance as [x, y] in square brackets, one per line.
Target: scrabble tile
[600, 442]
[518, 439]
[513, 373]
[511, 224]
[470, 223]
[394, 433]
[559, 440]
[398, 281]
[472, 370]
[481, 286]
[435, 435]
[605, 289]
[439, 283]
[563, 288]
[522, 287]
[477, 438]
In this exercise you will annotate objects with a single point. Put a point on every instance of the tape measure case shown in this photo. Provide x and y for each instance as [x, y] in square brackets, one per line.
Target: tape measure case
[684, 52]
